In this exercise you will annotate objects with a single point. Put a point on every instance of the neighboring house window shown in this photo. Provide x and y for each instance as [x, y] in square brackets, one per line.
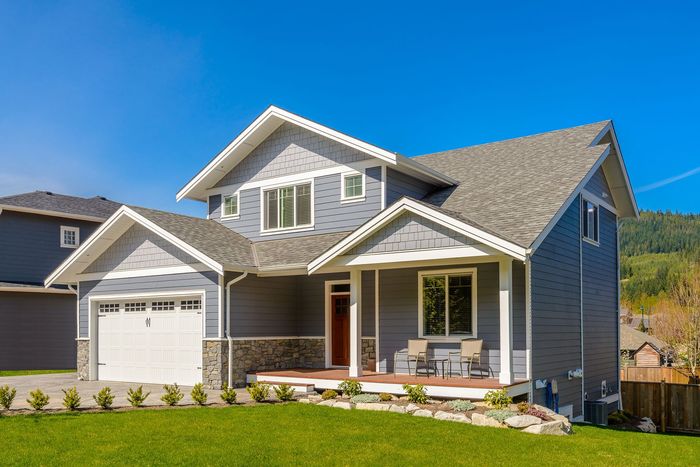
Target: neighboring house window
[134, 307]
[287, 207]
[231, 205]
[590, 221]
[190, 305]
[447, 303]
[163, 306]
[70, 237]
[353, 187]
[109, 308]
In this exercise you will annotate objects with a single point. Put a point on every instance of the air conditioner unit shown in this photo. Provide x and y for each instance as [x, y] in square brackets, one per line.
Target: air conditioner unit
[595, 412]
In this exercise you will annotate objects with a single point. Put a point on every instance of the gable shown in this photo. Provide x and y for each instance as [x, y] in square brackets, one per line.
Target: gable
[598, 185]
[139, 248]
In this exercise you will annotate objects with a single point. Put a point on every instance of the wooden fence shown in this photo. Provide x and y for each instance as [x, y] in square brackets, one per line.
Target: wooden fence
[673, 407]
[656, 374]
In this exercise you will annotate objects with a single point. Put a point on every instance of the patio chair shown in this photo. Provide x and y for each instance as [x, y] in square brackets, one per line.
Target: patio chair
[469, 353]
[417, 351]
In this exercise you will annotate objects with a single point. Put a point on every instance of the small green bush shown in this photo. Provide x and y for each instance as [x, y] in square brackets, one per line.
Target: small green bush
[498, 398]
[385, 397]
[228, 394]
[199, 396]
[136, 397]
[284, 392]
[328, 394]
[364, 398]
[7, 396]
[416, 394]
[461, 405]
[71, 398]
[172, 395]
[104, 398]
[38, 400]
[350, 387]
[258, 391]
[500, 415]
[523, 407]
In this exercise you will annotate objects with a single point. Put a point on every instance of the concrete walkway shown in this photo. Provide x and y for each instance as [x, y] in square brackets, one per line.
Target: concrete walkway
[52, 384]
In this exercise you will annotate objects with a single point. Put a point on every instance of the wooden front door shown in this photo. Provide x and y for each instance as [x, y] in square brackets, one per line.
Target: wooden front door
[340, 329]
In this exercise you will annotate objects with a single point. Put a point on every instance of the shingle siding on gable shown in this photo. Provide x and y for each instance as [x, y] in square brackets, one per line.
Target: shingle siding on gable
[411, 232]
[139, 248]
[598, 185]
[399, 184]
[291, 150]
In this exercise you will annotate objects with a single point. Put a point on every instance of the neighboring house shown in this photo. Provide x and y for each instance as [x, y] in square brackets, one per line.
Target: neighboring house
[37, 232]
[323, 251]
[641, 349]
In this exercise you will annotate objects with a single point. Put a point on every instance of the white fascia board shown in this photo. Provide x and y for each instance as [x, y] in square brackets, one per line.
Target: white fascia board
[425, 173]
[42, 290]
[273, 117]
[44, 212]
[467, 253]
[408, 205]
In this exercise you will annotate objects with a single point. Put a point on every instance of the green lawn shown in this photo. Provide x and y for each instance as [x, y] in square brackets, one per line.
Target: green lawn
[32, 372]
[301, 434]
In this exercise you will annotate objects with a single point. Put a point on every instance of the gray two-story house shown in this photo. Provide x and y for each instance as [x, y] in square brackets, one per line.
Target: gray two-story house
[323, 255]
[38, 231]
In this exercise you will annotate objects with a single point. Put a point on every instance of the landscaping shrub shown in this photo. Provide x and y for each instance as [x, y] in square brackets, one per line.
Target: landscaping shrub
[7, 396]
[385, 397]
[198, 395]
[538, 413]
[498, 398]
[259, 391]
[284, 392]
[461, 405]
[416, 394]
[38, 400]
[71, 398]
[172, 395]
[136, 398]
[364, 398]
[228, 394]
[104, 398]
[329, 394]
[500, 415]
[350, 387]
[523, 407]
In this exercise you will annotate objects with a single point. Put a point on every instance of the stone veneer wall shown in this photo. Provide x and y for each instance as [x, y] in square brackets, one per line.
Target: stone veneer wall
[369, 351]
[214, 363]
[83, 360]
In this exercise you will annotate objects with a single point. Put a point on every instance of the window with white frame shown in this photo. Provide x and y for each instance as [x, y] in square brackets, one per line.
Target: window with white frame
[109, 308]
[287, 207]
[353, 186]
[70, 237]
[589, 221]
[230, 205]
[447, 305]
[163, 306]
[134, 307]
[190, 305]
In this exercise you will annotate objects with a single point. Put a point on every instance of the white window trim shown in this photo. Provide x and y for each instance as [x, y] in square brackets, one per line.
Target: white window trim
[352, 199]
[302, 228]
[586, 239]
[448, 338]
[238, 206]
[76, 230]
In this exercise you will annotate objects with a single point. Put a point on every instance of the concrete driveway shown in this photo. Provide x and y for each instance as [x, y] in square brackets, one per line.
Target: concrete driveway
[52, 384]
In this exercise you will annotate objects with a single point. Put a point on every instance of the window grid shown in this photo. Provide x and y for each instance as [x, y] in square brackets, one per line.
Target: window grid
[287, 207]
[353, 186]
[70, 237]
[231, 205]
[163, 306]
[590, 221]
[190, 305]
[109, 308]
[448, 307]
[131, 307]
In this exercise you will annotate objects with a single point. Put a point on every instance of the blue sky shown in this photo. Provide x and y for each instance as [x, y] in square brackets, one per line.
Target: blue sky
[129, 100]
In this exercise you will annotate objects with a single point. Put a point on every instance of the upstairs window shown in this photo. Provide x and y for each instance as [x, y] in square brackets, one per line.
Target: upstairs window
[70, 237]
[589, 221]
[287, 207]
[353, 187]
[230, 205]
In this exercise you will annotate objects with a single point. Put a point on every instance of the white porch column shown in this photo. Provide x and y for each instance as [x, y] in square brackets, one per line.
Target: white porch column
[505, 299]
[355, 323]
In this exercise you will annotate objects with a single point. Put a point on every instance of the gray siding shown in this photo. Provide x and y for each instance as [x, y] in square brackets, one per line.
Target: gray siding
[291, 150]
[399, 184]
[30, 246]
[330, 215]
[600, 321]
[398, 316]
[556, 309]
[37, 331]
[139, 248]
[598, 185]
[208, 281]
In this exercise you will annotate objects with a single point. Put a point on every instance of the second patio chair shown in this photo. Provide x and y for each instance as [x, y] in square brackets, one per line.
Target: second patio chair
[416, 352]
[469, 353]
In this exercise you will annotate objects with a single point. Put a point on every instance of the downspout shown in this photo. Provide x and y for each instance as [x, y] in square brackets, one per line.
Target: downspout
[228, 323]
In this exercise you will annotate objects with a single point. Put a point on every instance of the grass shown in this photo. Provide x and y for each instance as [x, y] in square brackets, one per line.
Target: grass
[301, 434]
[32, 372]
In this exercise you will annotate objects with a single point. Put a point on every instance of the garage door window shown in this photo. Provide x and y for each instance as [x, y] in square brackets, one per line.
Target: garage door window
[135, 307]
[163, 306]
[109, 308]
[190, 305]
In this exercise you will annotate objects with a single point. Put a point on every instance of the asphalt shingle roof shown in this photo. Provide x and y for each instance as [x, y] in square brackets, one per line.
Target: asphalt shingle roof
[632, 339]
[515, 187]
[294, 251]
[96, 206]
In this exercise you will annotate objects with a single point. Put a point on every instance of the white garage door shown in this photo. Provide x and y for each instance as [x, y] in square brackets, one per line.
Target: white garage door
[154, 340]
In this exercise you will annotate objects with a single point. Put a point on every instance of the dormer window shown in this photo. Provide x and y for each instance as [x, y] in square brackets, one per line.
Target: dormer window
[70, 237]
[230, 205]
[287, 207]
[353, 188]
[590, 221]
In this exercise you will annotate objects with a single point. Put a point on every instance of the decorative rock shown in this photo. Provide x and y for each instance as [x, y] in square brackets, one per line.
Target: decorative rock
[556, 427]
[479, 419]
[522, 421]
[328, 403]
[555, 416]
[315, 398]
[304, 401]
[372, 406]
[411, 408]
[343, 405]
[423, 413]
[397, 408]
[647, 425]
[452, 417]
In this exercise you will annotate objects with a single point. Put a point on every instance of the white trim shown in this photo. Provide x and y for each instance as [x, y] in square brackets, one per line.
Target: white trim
[296, 228]
[376, 320]
[353, 199]
[355, 369]
[45, 212]
[528, 323]
[584, 235]
[220, 307]
[328, 287]
[580, 269]
[599, 201]
[474, 289]
[505, 320]
[272, 338]
[382, 187]
[38, 289]
[237, 215]
[465, 253]
[147, 272]
[69, 228]
[158, 294]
